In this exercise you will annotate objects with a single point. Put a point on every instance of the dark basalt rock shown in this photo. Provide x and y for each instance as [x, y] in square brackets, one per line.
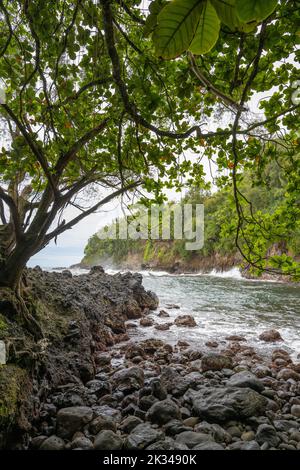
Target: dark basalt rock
[70, 420]
[245, 379]
[228, 403]
[142, 436]
[163, 411]
[128, 380]
[214, 361]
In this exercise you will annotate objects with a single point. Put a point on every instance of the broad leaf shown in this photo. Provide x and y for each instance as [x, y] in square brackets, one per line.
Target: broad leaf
[154, 8]
[207, 32]
[255, 10]
[227, 12]
[177, 24]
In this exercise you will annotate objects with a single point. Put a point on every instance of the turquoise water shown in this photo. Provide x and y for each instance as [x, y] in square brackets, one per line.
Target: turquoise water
[227, 304]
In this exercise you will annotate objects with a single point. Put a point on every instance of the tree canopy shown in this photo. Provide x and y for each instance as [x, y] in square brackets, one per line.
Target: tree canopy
[90, 102]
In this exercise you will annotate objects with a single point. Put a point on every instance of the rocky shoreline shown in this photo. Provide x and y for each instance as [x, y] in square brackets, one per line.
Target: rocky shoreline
[95, 388]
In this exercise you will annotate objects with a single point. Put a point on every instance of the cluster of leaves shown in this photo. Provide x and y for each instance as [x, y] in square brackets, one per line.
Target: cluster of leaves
[89, 101]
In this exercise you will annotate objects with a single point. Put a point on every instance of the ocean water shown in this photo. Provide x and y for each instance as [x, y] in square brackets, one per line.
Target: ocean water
[224, 304]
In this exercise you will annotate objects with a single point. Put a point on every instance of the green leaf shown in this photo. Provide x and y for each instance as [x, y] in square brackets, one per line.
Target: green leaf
[227, 12]
[207, 32]
[255, 10]
[155, 7]
[177, 24]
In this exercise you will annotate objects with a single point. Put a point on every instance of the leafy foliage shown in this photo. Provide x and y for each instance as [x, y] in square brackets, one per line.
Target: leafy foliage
[91, 109]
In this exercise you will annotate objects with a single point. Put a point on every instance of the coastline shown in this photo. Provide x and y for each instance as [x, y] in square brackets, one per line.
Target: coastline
[91, 386]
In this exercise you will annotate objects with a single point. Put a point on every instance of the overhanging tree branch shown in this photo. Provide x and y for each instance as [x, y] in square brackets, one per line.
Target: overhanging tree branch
[8, 23]
[210, 87]
[32, 145]
[70, 154]
[90, 211]
[130, 107]
[13, 211]
[75, 96]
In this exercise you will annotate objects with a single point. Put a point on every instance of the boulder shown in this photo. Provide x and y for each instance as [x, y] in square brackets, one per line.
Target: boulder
[270, 336]
[53, 443]
[99, 387]
[212, 344]
[185, 320]
[97, 270]
[214, 361]
[175, 426]
[128, 380]
[82, 443]
[192, 439]
[163, 326]
[147, 401]
[157, 389]
[106, 412]
[284, 425]
[142, 436]
[240, 445]
[132, 309]
[166, 444]
[261, 371]
[134, 350]
[102, 359]
[108, 440]
[245, 379]
[224, 404]
[287, 374]
[102, 423]
[267, 433]
[176, 384]
[72, 419]
[163, 411]
[151, 345]
[146, 321]
[295, 411]
[215, 430]
[163, 313]
[129, 423]
[235, 338]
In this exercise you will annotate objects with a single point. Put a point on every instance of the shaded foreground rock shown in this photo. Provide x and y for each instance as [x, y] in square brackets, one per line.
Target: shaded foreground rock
[108, 440]
[142, 436]
[53, 443]
[177, 397]
[228, 403]
[70, 420]
[192, 439]
[245, 379]
[163, 411]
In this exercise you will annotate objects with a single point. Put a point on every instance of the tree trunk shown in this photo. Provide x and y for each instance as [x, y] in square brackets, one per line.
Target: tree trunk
[11, 298]
[12, 266]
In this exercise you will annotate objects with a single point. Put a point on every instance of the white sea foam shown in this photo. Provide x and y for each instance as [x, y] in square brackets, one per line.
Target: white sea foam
[233, 273]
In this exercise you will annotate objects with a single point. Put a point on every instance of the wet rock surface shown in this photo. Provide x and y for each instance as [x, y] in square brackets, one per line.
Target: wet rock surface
[168, 406]
[106, 392]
